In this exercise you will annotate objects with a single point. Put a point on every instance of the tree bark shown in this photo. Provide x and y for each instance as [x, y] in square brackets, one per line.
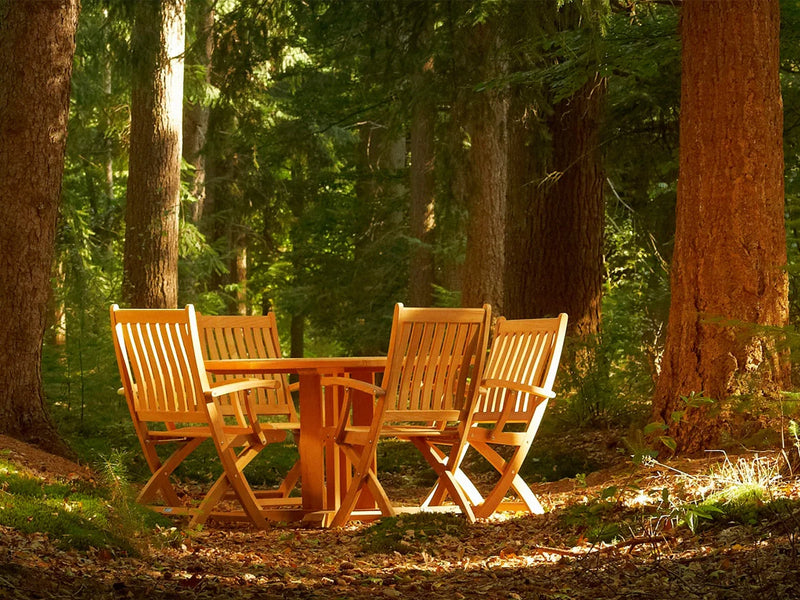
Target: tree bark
[153, 197]
[563, 238]
[481, 181]
[421, 215]
[727, 274]
[37, 43]
[196, 114]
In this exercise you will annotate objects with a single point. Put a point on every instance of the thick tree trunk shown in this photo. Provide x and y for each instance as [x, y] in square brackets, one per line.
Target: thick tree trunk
[730, 248]
[527, 154]
[564, 215]
[421, 214]
[153, 199]
[482, 180]
[37, 42]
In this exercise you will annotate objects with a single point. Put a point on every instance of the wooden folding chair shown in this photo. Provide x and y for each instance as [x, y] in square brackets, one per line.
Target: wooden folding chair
[235, 336]
[516, 386]
[427, 391]
[171, 401]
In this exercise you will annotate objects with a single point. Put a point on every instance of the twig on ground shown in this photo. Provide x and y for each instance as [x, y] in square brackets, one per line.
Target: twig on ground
[604, 549]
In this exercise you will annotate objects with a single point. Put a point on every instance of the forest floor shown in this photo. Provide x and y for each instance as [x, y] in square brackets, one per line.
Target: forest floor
[619, 532]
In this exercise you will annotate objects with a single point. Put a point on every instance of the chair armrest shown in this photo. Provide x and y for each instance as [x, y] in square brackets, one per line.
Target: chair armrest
[244, 385]
[487, 384]
[356, 384]
[241, 385]
[349, 385]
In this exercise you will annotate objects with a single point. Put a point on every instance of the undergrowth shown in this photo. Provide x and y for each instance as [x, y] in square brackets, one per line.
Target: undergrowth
[77, 514]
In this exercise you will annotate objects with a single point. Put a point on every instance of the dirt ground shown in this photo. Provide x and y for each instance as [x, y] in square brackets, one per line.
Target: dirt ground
[513, 557]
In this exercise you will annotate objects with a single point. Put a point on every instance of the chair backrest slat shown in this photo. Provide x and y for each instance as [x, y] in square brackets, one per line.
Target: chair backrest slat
[524, 351]
[253, 337]
[433, 355]
[159, 363]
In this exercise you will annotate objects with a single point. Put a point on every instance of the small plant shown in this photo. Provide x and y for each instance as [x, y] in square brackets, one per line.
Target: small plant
[733, 491]
[407, 532]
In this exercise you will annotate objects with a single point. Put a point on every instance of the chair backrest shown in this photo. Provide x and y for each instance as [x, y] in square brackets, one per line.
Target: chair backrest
[160, 366]
[435, 356]
[524, 352]
[253, 337]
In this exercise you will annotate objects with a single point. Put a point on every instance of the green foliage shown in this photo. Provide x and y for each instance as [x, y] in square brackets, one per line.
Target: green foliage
[413, 532]
[595, 519]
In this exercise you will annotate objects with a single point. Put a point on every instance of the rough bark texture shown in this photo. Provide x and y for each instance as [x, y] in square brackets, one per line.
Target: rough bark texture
[37, 42]
[481, 181]
[557, 224]
[730, 247]
[153, 198]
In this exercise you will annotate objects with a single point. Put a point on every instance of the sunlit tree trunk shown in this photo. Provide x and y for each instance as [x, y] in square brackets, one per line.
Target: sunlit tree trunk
[153, 198]
[37, 43]
[481, 181]
[727, 274]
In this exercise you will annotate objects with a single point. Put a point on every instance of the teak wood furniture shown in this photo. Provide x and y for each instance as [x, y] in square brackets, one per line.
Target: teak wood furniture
[225, 337]
[516, 386]
[427, 391]
[325, 472]
[171, 401]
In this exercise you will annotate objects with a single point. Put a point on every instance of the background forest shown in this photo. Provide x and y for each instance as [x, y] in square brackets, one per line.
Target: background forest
[335, 161]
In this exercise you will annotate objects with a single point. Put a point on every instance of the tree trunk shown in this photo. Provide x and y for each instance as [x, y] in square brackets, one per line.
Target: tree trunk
[563, 266]
[421, 211]
[239, 271]
[727, 274]
[297, 336]
[37, 43]
[482, 180]
[196, 113]
[152, 211]
[528, 153]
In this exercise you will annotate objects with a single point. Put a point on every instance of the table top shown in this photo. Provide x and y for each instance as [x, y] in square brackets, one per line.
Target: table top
[323, 365]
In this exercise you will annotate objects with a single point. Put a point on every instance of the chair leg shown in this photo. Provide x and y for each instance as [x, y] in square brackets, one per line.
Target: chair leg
[447, 477]
[290, 481]
[350, 498]
[220, 488]
[232, 466]
[509, 477]
[438, 494]
[159, 482]
[364, 475]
